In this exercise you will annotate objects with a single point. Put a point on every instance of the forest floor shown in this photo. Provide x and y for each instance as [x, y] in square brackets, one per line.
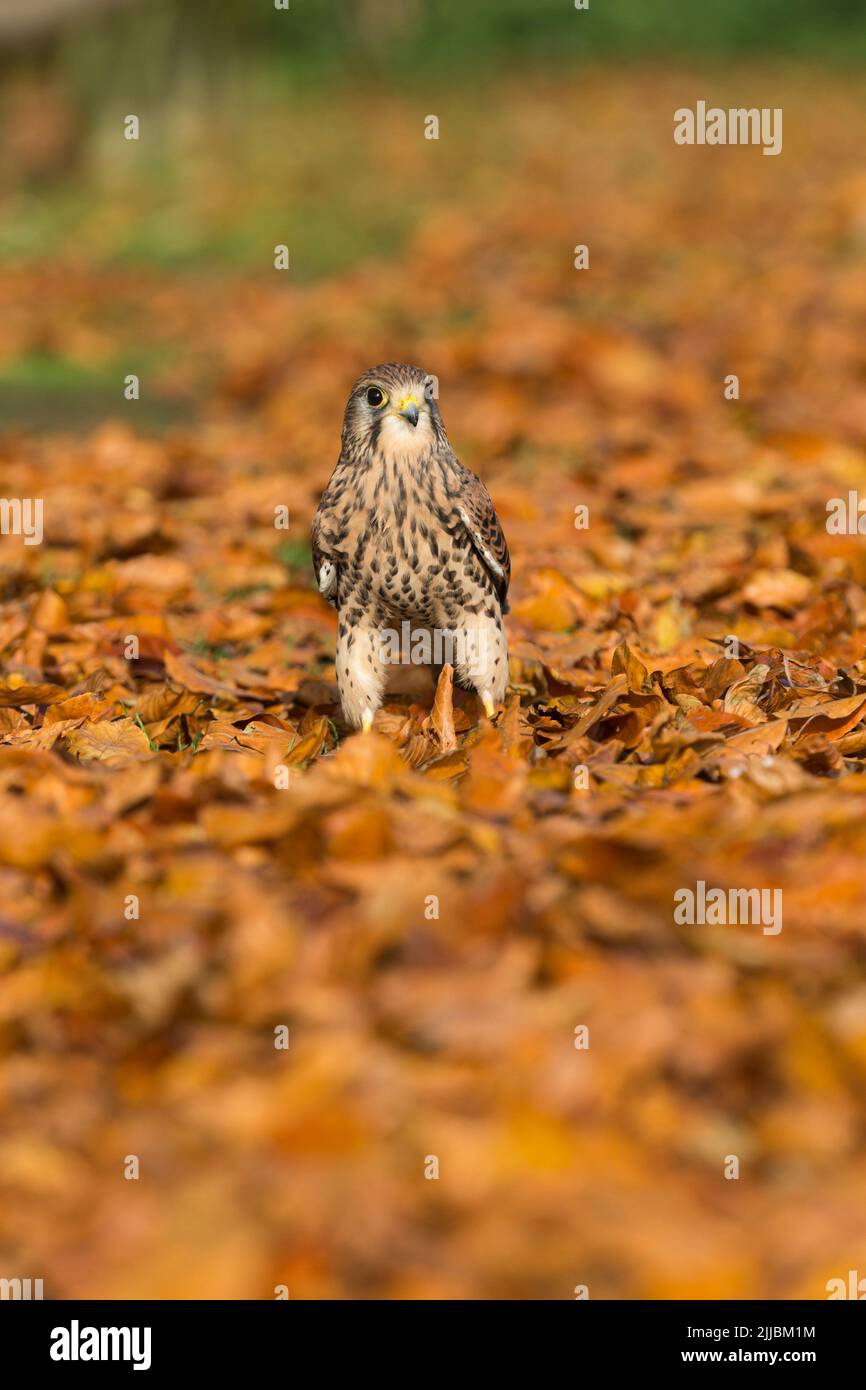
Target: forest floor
[444, 913]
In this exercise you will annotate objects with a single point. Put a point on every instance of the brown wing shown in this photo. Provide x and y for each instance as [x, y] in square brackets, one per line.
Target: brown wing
[324, 564]
[478, 515]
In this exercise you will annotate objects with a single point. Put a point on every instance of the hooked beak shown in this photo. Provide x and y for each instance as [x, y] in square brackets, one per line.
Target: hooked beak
[408, 408]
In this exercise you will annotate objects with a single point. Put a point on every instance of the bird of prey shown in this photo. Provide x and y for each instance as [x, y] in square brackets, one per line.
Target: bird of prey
[404, 538]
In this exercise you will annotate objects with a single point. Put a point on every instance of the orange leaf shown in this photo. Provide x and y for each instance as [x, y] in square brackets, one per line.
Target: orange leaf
[442, 716]
[115, 742]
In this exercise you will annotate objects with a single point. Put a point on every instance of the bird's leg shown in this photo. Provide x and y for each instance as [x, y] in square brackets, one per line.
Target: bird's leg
[482, 658]
[360, 672]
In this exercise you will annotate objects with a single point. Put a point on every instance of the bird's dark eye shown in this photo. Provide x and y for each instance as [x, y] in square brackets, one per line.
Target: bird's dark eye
[375, 397]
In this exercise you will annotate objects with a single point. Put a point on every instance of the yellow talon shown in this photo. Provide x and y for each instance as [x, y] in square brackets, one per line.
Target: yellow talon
[366, 721]
[489, 707]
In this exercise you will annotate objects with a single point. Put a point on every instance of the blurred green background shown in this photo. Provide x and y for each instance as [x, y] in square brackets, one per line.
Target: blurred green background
[261, 126]
[407, 37]
[216, 83]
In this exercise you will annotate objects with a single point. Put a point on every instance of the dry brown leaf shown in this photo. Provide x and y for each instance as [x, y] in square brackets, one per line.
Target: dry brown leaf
[624, 662]
[115, 742]
[16, 696]
[442, 717]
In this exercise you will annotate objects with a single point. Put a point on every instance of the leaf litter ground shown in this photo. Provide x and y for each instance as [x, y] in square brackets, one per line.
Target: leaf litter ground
[414, 1034]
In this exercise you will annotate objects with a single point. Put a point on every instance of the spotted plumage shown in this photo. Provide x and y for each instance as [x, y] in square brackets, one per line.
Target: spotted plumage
[404, 538]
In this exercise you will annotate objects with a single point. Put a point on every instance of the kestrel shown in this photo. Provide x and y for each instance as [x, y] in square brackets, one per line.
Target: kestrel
[407, 541]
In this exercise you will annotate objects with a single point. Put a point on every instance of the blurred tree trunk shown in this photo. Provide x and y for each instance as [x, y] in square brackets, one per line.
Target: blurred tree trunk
[43, 122]
[377, 18]
[23, 21]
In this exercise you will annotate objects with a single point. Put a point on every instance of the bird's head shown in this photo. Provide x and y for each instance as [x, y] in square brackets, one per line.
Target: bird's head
[392, 412]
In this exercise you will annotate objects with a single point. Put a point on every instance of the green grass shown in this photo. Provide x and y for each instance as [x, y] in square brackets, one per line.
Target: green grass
[57, 374]
[295, 554]
[317, 42]
[43, 392]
